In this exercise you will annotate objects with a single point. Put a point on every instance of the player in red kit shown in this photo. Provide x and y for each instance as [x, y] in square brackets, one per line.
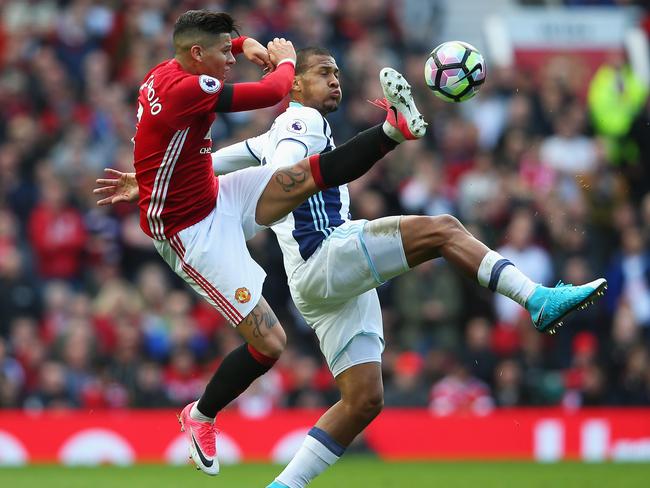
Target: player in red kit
[177, 104]
[200, 223]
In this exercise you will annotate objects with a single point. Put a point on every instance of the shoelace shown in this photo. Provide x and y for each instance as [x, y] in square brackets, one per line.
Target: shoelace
[561, 284]
[564, 287]
[207, 436]
[379, 102]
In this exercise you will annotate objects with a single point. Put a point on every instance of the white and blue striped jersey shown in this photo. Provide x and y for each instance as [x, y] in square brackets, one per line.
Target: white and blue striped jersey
[295, 134]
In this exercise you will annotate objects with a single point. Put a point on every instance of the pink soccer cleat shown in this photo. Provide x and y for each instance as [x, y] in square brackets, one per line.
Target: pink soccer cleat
[403, 119]
[202, 437]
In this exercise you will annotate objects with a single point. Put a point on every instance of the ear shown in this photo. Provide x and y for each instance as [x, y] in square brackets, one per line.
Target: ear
[196, 52]
[297, 84]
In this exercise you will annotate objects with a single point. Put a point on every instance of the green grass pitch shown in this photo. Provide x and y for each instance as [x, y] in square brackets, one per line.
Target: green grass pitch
[349, 473]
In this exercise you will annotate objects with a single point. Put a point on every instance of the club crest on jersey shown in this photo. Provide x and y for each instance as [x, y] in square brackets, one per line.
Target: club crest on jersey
[297, 126]
[209, 84]
[242, 295]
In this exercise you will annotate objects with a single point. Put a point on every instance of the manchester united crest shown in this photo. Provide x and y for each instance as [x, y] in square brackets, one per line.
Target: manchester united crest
[242, 295]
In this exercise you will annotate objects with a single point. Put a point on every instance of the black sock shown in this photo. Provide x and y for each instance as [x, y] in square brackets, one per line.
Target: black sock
[352, 159]
[235, 373]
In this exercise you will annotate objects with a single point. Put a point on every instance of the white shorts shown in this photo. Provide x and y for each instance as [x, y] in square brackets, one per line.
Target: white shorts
[334, 289]
[211, 255]
[361, 349]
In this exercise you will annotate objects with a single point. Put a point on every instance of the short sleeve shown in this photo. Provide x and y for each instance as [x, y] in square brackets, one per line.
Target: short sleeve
[192, 95]
[255, 146]
[304, 126]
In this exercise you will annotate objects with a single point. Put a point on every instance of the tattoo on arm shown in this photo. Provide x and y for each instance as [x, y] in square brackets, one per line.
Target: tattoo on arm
[289, 178]
[260, 319]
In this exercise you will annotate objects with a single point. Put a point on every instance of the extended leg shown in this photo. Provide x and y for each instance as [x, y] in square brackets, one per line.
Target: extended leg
[425, 238]
[265, 342]
[362, 398]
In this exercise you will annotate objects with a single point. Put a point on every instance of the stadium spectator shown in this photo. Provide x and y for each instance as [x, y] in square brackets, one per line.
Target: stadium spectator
[57, 233]
[629, 276]
[407, 388]
[429, 302]
[616, 94]
[460, 392]
[183, 378]
[639, 135]
[19, 294]
[520, 248]
[12, 378]
[150, 391]
[508, 388]
[633, 387]
[477, 351]
[52, 390]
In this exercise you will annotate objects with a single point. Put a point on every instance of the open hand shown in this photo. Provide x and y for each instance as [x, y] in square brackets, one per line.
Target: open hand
[123, 187]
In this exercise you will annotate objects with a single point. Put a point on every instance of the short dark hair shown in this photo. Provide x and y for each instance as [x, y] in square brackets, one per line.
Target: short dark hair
[303, 55]
[195, 25]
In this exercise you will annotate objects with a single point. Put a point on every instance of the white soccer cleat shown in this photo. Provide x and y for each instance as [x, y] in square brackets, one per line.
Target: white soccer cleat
[403, 119]
[202, 438]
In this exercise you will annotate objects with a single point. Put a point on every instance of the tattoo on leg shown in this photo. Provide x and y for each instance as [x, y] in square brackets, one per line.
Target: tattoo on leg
[288, 179]
[260, 317]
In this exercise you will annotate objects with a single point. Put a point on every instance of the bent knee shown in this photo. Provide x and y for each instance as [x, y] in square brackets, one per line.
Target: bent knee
[273, 344]
[278, 344]
[446, 222]
[367, 404]
[445, 227]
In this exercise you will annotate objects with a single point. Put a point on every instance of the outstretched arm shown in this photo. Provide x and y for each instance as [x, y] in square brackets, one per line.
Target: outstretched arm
[234, 157]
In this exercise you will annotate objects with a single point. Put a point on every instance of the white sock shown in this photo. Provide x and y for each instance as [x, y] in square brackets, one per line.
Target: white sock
[196, 414]
[317, 453]
[500, 275]
[393, 133]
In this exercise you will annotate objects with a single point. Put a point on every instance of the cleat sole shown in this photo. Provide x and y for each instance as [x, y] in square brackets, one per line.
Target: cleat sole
[398, 93]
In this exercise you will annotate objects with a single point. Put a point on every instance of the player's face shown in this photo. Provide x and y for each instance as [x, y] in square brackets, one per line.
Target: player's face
[216, 59]
[319, 84]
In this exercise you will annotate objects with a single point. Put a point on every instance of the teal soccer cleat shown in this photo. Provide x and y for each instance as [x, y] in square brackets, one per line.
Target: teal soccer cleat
[548, 306]
[277, 484]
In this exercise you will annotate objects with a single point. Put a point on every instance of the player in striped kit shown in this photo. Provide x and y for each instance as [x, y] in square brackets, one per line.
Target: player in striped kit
[200, 223]
[334, 264]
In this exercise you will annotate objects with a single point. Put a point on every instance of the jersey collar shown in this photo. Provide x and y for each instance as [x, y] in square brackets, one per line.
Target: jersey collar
[295, 104]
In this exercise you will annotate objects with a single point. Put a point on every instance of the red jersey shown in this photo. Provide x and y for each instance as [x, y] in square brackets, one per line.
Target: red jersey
[172, 156]
[59, 239]
[172, 149]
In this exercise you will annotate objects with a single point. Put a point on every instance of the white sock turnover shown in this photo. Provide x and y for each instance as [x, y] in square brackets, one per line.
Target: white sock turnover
[317, 453]
[499, 274]
[196, 414]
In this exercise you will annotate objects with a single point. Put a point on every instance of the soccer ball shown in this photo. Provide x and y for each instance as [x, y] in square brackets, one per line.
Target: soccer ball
[454, 71]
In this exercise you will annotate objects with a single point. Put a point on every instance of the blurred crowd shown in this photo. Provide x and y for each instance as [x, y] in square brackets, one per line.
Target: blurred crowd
[550, 168]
